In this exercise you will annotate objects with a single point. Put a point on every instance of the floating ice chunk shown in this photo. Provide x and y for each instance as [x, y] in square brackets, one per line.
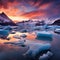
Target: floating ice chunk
[46, 56]
[24, 30]
[8, 38]
[45, 26]
[13, 32]
[36, 49]
[16, 36]
[57, 30]
[23, 35]
[15, 43]
[22, 41]
[4, 33]
[44, 35]
[49, 53]
[37, 28]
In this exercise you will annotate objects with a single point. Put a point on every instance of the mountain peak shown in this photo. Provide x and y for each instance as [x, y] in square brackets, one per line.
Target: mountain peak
[3, 15]
[5, 20]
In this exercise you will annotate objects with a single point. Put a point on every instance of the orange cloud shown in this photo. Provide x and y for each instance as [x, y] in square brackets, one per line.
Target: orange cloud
[45, 6]
[27, 9]
[34, 14]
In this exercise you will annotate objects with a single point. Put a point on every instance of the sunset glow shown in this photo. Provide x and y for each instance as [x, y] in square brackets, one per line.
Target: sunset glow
[19, 10]
[18, 19]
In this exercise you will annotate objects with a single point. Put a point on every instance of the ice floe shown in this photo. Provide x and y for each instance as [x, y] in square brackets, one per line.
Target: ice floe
[46, 56]
[57, 30]
[4, 33]
[44, 35]
[36, 48]
[23, 35]
[16, 36]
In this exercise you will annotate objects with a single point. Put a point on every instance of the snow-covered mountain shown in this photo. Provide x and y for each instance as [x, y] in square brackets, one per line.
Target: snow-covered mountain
[56, 22]
[5, 20]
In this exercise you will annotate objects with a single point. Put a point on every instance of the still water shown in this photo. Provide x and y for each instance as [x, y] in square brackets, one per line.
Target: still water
[4, 49]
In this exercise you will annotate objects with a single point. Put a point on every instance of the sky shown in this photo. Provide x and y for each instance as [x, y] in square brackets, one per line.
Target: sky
[19, 10]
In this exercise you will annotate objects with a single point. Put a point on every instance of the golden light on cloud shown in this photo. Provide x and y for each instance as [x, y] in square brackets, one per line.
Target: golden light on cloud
[18, 18]
[45, 6]
[19, 10]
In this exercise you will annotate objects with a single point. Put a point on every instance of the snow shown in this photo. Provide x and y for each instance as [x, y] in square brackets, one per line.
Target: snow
[4, 19]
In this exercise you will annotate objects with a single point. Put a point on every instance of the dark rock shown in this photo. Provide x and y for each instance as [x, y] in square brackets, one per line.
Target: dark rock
[57, 22]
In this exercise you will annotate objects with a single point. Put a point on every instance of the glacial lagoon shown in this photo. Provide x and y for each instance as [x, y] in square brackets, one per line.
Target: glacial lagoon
[12, 49]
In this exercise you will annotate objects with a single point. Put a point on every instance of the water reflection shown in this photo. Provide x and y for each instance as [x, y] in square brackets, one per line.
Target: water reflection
[15, 52]
[11, 36]
[11, 52]
[30, 36]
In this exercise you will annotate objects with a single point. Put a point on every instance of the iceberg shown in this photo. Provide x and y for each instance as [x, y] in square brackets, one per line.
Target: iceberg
[35, 49]
[57, 30]
[24, 30]
[46, 56]
[44, 35]
[16, 36]
[23, 35]
[37, 28]
[13, 32]
[4, 33]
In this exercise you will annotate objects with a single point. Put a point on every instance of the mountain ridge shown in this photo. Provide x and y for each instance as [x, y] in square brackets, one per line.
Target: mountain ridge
[56, 22]
[5, 20]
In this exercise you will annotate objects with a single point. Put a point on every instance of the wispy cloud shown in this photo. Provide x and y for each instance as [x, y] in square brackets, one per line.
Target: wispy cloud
[31, 8]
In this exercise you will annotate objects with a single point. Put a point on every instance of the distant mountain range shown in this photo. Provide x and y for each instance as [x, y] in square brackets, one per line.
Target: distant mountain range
[56, 22]
[5, 20]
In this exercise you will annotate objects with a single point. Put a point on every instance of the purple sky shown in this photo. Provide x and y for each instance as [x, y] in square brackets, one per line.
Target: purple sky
[31, 9]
